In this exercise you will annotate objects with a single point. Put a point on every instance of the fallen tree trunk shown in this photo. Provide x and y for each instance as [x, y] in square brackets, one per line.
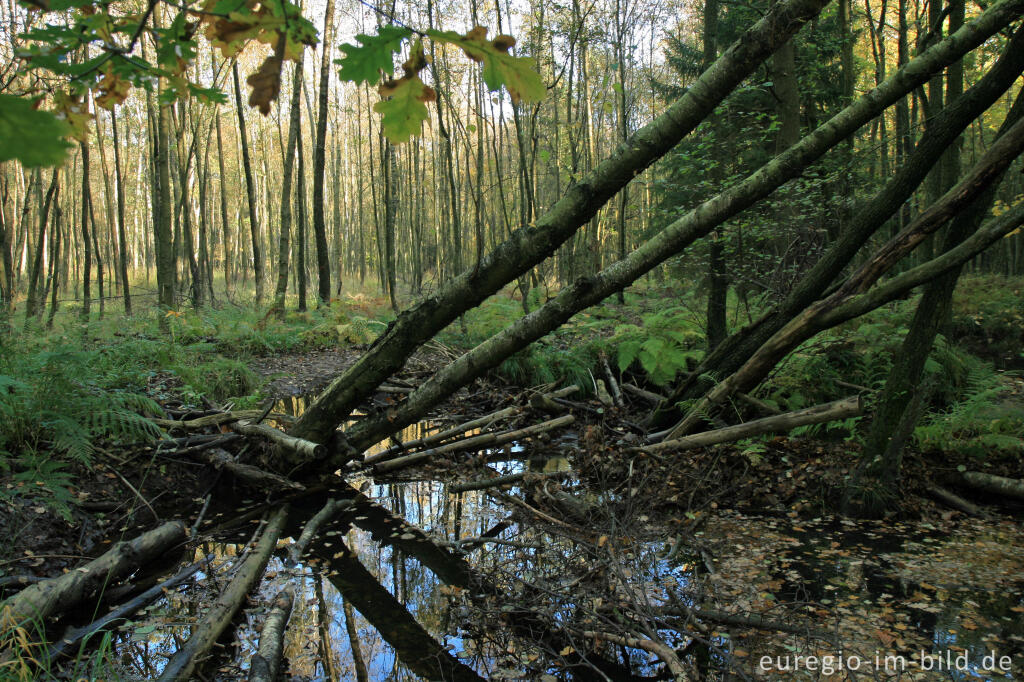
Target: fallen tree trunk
[531, 244]
[330, 510]
[222, 459]
[613, 385]
[677, 235]
[123, 612]
[204, 633]
[852, 294]
[306, 449]
[641, 393]
[45, 599]
[870, 215]
[526, 477]
[266, 662]
[997, 485]
[953, 500]
[838, 409]
[213, 419]
[476, 442]
[441, 436]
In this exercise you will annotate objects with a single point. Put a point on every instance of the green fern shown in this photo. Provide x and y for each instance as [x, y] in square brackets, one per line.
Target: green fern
[982, 421]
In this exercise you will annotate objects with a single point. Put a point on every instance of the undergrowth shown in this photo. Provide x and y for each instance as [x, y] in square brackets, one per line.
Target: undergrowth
[67, 392]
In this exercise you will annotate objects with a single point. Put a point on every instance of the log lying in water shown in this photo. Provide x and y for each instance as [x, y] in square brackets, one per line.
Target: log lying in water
[997, 485]
[215, 621]
[838, 409]
[74, 635]
[476, 442]
[495, 481]
[42, 600]
[266, 662]
[331, 509]
[462, 429]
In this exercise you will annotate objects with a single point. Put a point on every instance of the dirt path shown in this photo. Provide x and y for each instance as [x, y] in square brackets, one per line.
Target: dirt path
[302, 373]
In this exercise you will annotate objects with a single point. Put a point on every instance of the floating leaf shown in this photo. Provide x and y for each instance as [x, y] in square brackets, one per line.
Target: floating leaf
[33, 137]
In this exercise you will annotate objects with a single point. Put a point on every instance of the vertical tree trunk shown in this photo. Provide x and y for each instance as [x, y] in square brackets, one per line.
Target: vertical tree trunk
[718, 279]
[225, 223]
[300, 203]
[323, 263]
[390, 168]
[254, 230]
[86, 210]
[622, 8]
[6, 259]
[58, 229]
[32, 304]
[122, 240]
[286, 194]
[97, 252]
[205, 266]
[165, 260]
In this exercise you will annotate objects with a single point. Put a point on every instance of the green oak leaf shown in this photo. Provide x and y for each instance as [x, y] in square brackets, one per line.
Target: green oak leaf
[364, 63]
[516, 74]
[403, 115]
[35, 138]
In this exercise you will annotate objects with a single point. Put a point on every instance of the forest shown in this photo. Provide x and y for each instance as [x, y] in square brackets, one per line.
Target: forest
[607, 340]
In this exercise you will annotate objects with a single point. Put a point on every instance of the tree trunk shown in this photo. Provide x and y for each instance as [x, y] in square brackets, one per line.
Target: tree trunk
[165, 257]
[265, 665]
[300, 233]
[122, 239]
[203, 635]
[671, 240]
[254, 230]
[277, 308]
[323, 263]
[870, 216]
[874, 486]
[86, 244]
[32, 304]
[40, 601]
